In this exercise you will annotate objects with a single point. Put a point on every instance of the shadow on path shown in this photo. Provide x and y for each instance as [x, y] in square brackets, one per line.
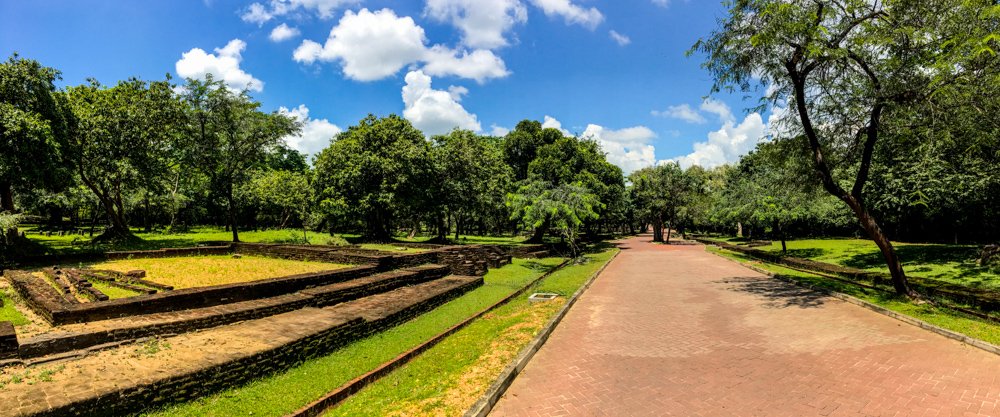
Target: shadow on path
[777, 294]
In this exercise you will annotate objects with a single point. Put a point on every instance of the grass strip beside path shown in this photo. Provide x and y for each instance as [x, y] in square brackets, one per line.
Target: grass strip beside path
[288, 391]
[947, 318]
[450, 377]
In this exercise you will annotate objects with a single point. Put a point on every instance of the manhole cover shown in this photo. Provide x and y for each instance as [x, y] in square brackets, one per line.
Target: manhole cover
[541, 296]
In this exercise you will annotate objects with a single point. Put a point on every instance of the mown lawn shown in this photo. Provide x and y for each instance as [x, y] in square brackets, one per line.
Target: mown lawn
[450, 377]
[951, 263]
[285, 392]
[940, 316]
[201, 271]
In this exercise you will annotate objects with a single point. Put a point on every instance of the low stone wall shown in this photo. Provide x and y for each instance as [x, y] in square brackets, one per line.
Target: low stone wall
[188, 386]
[45, 301]
[331, 294]
[49, 260]
[8, 340]
[984, 299]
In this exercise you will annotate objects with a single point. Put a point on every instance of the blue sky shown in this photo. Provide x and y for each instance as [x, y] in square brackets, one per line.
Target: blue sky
[611, 70]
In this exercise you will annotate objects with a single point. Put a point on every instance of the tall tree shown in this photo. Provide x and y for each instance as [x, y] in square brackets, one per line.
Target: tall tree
[471, 173]
[849, 71]
[660, 193]
[564, 207]
[121, 137]
[34, 135]
[373, 171]
[228, 134]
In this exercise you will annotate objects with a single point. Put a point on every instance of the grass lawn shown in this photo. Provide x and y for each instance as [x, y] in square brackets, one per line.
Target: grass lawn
[391, 248]
[8, 312]
[151, 241]
[450, 377]
[943, 317]
[201, 271]
[951, 263]
[288, 391]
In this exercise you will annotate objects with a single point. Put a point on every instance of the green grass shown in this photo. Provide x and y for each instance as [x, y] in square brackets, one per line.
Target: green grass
[287, 391]
[111, 291]
[941, 316]
[449, 377]
[8, 312]
[197, 235]
[951, 263]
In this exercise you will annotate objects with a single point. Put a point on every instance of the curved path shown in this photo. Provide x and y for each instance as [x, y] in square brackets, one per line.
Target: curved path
[674, 330]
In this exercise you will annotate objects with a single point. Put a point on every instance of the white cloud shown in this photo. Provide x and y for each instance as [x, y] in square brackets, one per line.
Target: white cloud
[550, 121]
[588, 18]
[683, 112]
[621, 39]
[499, 131]
[628, 148]
[480, 65]
[283, 32]
[316, 133]
[259, 13]
[224, 66]
[483, 23]
[726, 144]
[435, 112]
[375, 45]
[718, 108]
[661, 3]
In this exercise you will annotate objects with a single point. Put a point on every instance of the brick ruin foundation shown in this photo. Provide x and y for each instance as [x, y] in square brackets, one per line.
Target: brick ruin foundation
[374, 272]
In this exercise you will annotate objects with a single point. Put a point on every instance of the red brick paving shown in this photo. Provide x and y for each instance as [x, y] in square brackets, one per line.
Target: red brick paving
[673, 330]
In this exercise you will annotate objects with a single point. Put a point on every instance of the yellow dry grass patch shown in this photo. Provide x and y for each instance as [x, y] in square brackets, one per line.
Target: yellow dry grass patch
[476, 378]
[202, 271]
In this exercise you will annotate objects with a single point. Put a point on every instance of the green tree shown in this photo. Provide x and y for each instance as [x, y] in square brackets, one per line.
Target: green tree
[121, 137]
[287, 194]
[660, 193]
[471, 174]
[850, 70]
[227, 134]
[34, 134]
[563, 207]
[373, 171]
[521, 145]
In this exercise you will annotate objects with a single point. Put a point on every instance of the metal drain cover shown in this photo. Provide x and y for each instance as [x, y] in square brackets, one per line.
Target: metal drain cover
[541, 296]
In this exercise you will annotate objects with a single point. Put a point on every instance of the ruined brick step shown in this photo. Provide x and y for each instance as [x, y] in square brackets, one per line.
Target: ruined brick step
[84, 335]
[206, 361]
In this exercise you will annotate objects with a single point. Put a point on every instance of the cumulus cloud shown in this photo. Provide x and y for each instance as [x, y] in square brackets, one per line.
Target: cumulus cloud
[435, 112]
[588, 18]
[223, 65]
[316, 133]
[683, 112]
[719, 109]
[726, 144]
[259, 13]
[483, 23]
[621, 39]
[374, 45]
[550, 121]
[628, 148]
[283, 32]
[499, 130]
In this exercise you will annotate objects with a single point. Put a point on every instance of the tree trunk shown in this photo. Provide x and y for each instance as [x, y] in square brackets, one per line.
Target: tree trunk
[658, 229]
[6, 197]
[232, 213]
[540, 231]
[414, 230]
[667, 238]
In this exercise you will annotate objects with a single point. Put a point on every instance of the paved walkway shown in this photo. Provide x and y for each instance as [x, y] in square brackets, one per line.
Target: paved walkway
[674, 330]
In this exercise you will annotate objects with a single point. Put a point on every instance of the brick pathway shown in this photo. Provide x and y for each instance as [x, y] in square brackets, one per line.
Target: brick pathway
[674, 330]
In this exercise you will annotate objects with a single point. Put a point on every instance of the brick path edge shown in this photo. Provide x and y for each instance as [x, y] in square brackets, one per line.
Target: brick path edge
[485, 403]
[951, 334]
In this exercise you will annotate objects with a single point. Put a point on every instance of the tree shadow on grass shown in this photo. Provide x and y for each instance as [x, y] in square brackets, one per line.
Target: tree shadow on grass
[537, 266]
[777, 294]
[809, 253]
[920, 260]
